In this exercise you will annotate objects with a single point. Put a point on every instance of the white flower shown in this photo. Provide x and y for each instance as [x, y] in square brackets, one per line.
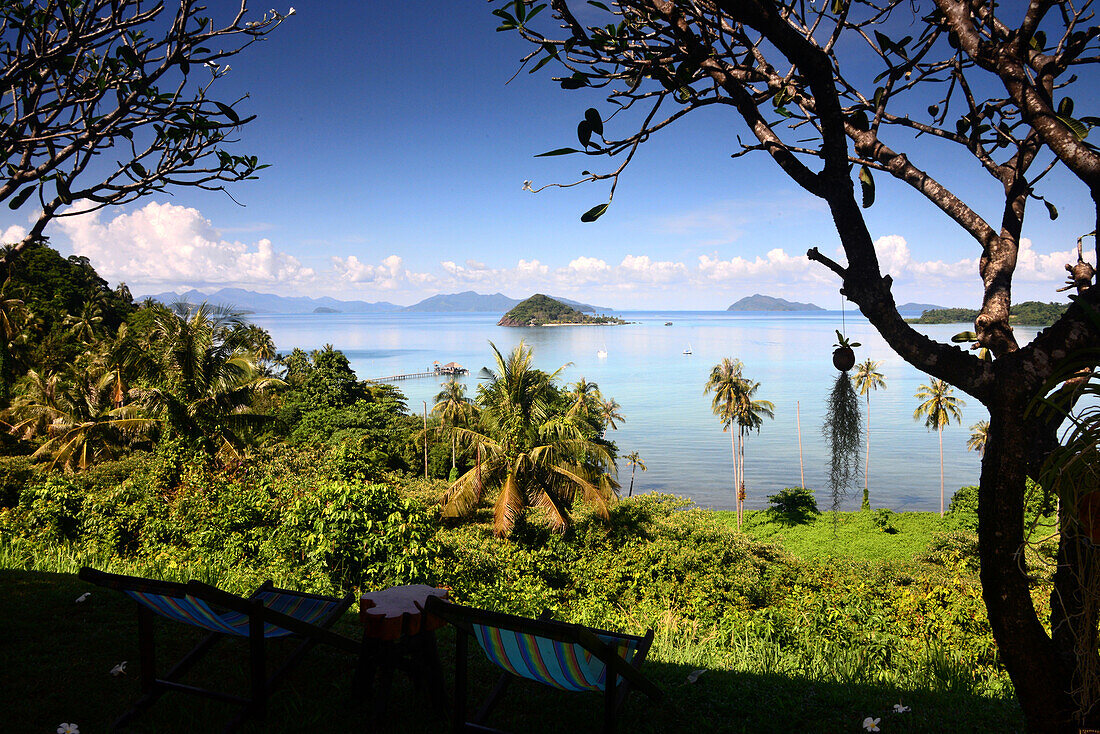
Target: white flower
[526, 186]
[899, 709]
[871, 724]
[83, 597]
[68, 729]
[292, 11]
[119, 669]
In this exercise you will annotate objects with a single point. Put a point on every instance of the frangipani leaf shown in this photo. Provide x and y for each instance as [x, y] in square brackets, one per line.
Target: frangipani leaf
[594, 213]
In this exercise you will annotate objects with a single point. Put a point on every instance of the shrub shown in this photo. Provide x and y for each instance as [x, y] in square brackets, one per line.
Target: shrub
[793, 505]
[884, 520]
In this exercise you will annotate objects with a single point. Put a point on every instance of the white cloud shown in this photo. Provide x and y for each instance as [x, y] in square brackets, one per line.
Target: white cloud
[166, 244]
[390, 274]
[778, 266]
[13, 234]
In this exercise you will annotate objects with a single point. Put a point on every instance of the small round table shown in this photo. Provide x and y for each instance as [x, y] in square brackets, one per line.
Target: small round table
[398, 633]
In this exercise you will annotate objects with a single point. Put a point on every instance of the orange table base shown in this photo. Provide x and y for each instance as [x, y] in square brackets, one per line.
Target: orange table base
[398, 634]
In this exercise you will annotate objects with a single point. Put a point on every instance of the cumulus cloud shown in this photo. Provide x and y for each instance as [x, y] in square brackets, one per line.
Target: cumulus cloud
[776, 265]
[166, 244]
[390, 274]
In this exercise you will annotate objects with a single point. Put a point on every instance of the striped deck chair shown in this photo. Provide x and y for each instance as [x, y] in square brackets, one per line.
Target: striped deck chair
[568, 657]
[269, 613]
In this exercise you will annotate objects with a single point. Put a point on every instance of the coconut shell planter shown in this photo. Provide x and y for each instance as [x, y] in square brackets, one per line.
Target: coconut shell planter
[844, 357]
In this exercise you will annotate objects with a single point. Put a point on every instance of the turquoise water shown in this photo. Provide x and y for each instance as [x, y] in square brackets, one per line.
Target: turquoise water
[668, 418]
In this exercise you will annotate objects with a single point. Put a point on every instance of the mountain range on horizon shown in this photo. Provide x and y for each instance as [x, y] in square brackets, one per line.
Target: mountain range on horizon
[758, 302]
[254, 302]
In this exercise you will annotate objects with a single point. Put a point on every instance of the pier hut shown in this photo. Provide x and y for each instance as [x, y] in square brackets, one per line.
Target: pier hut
[451, 368]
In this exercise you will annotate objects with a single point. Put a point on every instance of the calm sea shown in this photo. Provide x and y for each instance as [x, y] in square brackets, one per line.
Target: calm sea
[668, 418]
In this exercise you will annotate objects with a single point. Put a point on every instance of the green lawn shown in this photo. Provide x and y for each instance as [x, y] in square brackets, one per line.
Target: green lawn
[60, 653]
[854, 535]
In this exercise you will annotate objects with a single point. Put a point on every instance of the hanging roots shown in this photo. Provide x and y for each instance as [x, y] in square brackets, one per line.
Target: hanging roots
[843, 431]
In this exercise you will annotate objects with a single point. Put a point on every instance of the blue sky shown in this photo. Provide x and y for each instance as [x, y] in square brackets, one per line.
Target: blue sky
[398, 154]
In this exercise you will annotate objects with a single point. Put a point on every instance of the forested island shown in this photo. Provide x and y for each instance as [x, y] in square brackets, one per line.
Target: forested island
[1028, 313]
[540, 310]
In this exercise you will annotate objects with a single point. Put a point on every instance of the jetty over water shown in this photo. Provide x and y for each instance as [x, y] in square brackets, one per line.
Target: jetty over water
[450, 369]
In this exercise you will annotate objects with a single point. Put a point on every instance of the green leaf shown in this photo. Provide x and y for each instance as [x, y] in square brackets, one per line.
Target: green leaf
[880, 94]
[63, 189]
[128, 55]
[1079, 129]
[139, 169]
[867, 183]
[228, 112]
[18, 199]
[557, 151]
[594, 213]
[584, 133]
[576, 81]
[521, 10]
[933, 110]
[1039, 40]
[1051, 210]
[1065, 107]
[592, 116]
[599, 5]
[964, 336]
[838, 6]
[542, 62]
[860, 120]
[884, 41]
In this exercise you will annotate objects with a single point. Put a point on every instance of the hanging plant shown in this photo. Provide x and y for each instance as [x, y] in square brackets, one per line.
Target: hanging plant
[843, 426]
[844, 358]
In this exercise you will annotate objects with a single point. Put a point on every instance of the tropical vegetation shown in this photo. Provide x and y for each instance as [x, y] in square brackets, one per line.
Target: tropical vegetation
[939, 408]
[1026, 313]
[540, 310]
[867, 379]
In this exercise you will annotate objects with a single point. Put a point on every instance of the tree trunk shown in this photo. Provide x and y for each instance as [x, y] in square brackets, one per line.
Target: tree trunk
[633, 468]
[736, 475]
[940, 434]
[1041, 677]
[866, 505]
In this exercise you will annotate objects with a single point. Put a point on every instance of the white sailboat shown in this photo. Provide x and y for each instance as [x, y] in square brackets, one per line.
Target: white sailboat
[688, 350]
[601, 354]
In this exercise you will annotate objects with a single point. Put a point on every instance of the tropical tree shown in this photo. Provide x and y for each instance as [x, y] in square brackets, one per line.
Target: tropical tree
[533, 456]
[584, 399]
[728, 386]
[978, 434]
[867, 378]
[77, 419]
[734, 404]
[205, 377]
[611, 413]
[841, 93]
[939, 407]
[453, 408]
[635, 460]
[90, 76]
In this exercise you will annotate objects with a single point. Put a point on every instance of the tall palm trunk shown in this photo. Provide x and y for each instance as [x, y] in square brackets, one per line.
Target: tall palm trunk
[736, 475]
[633, 468]
[741, 487]
[452, 448]
[940, 432]
[867, 460]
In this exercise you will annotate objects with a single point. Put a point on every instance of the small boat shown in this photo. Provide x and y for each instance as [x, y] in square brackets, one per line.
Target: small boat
[601, 354]
[688, 350]
[668, 323]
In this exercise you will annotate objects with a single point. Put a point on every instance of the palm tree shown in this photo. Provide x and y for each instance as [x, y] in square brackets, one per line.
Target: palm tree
[635, 460]
[77, 418]
[868, 378]
[453, 408]
[978, 434]
[610, 412]
[584, 398]
[535, 457]
[205, 376]
[939, 408]
[728, 386]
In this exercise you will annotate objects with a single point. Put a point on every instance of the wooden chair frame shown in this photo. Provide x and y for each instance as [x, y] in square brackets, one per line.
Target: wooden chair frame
[621, 675]
[261, 685]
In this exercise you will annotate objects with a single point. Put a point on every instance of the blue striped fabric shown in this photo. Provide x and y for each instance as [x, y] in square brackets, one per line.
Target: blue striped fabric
[196, 612]
[563, 665]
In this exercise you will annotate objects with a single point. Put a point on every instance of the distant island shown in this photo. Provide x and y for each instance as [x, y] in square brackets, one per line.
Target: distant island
[540, 310]
[758, 302]
[919, 307]
[1028, 313]
[472, 302]
[326, 309]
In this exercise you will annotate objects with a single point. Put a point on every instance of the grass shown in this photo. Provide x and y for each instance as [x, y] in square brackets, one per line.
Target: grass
[855, 535]
[60, 654]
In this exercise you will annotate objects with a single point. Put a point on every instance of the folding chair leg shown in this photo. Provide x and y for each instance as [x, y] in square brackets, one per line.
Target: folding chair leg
[609, 702]
[494, 696]
[257, 658]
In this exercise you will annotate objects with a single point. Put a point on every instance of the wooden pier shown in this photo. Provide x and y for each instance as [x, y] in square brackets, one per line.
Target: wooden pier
[450, 369]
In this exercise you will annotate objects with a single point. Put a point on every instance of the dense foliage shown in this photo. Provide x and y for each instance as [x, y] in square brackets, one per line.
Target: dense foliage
[539, 310]
[1027, 313]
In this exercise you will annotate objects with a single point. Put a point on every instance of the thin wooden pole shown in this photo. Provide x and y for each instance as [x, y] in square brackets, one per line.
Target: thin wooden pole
[425, 439]
[798, 418]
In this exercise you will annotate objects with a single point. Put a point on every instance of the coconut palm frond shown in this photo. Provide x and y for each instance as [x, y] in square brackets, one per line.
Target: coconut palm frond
[509, 505]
